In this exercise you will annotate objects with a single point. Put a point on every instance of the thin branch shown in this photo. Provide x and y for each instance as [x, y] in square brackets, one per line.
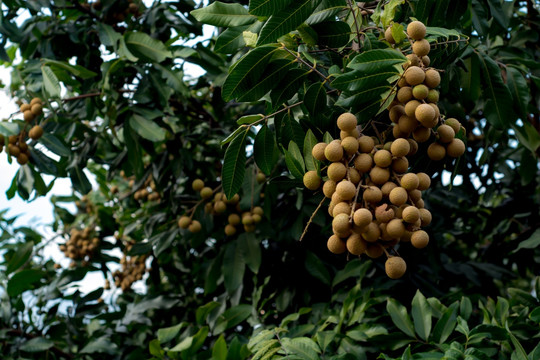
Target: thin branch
[311, 218]
[312, 67]
[355, 22]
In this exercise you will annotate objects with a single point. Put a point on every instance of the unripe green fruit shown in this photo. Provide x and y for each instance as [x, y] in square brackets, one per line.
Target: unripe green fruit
[206, 193]
[365, 144]
[425, 114]
[336, 171]
[414, 75]
[410, 214]
[379, 175]
[341, 223]
[334, 151]
[336, 245]
[383, 158]
[341, 208]
[312, 181]
[356, 244]
[433, 78]
[197, 185]
[346, 190]
[350, 145]
[400, 147]
[260, 177]
[372, 195]
[195, 227]
[398, 196]
[454, 124]
[436, 152]
[404, 94]
[433, 96]
[410, 107]
[420, 92]
[258, 210]
[395, 267]
[424, 181]
[363, 163]
[416, 30]
[347, 122]
[455, 148]
[318, 151]
[410, 181]
[395, 228]
[387, 145]
[421, 47]
[362, 217]
[419, 239]
[256, 218]
[230, 230]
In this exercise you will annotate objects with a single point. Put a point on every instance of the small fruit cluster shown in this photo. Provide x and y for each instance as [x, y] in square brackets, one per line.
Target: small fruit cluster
[148, 192]
[133, 269]
[374, 202]
[218, 205]
[81, 245]
[414, 111]
[17, 147]
[32, 110]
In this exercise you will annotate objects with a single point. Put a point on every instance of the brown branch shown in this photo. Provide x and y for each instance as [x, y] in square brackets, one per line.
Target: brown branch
[311, 218]
[312, 67]
[355, 22]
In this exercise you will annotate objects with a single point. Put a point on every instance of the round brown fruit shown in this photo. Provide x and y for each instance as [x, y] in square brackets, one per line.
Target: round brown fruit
[410, 107]
[424, 181]
[433, 78]
[387, 187]
[195, 227]
[421, 47]
[363, 163]
[365, 144]
[347, 122]
[230, 230]
[395, 228]
[350, 145]
[410, 214]
[374, 251]
[362, 217]
[260, 178]
[379, 175]
[312, 180]
[436, 151]
[329, 188]
[425, 114]
[356, 244]
[36, 109]
[395, 112]
[454, 124]
[372, 194]
[22, 159]
[420, 239]
[416, 30]
[400, 165]
[410, 181]
[422, 134]
[395, 267]
[414, 75]
[341, 208]
[372, 232]
[346, 190]
[234, 219]
[446, 133]
[336, 245]
[336, 171]
[398, 196]
[455, 148]
[334, 151]
[426, 60]
[400, 147]
[220, 207]
[413, 61]
[197, 185]
[341, 223]
[404, 94]
[318, 151]
[388, 35]
[425, 217]
[206, 193]
[382, 158]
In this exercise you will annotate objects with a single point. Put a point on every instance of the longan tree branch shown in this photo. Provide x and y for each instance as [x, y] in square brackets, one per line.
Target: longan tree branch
[312, 67]
[311, 218]
[355, 22]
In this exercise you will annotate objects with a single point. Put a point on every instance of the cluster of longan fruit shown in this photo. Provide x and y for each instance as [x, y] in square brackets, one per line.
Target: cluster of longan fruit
[375, 203]
[148, 192]
[81, 245]
[133, 269]
[414, 110]
[218, 205]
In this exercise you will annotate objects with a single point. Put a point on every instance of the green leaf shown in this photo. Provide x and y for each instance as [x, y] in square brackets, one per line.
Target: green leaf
[535, 315]
[232, 317]
[223, 15]
[519, 352]
[265, 149]
[144, 46]
[245, 73]
[315, 99]
[9, 128]
[50, 82]
[267, 7]
[284, 21]
[400, 318]
[317, 269]
[421, 314]
[294, 151]
[231, 40]
[107, 35]
[310, 141]
[378, 60]
[147, 129]
[100, 345]
[167, 334]
[251, 251]
[333, 34]
[519, 90]
[183, 345]
[269, 79]
[303, 347]
[531, 243]
[234, 165]
[249, 119]
[38, 344]
[155, 349]
[326, 9]
[354, 268]
[389, 11]
[23, 280]
[234, 266]
[295, 167]
[219, 350]
[203, 311]
[54, 144]
[446, 324]
[76, 70]
[20, 257]
[80, 180]
[398, 33]
[465, 308]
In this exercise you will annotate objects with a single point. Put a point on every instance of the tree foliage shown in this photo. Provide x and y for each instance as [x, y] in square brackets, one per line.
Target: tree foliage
[120, 110]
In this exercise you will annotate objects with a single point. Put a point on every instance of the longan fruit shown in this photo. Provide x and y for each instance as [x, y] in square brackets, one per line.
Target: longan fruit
[414, 75]
[336, 171]
[355, 133]
[363, 163]
[416, 30]
[395, 113]
[312, 180]
[455, 148]
[395, 228]
[437, 112]
[197, 185]
[12, 139]
[35, 101]
[256, 218]
[436, 151]
[356, 244]
[372, 194]
[362, 217]
[347, 122]
[365, 144]
[404, 94]
[22, 159]
[258, 210]
[230, 230]
[341, 208]
[350, 145]
[36, 109]
[398, 196]
[195, 227]
[336, 199]
[433, 96]
[28, 116]
[388, 35]
[206, 193]
[374, 251]
[382, 158]
[402, 82]
[410, 107]
[422, 134]
[419, 239]
[415, 195]
[446, 133]
[425, 114]
[334, 151]
[208, 207]
[220, 207]
[424, 181]
[234, 219]
[410, 214]
[346, 190]
[413, 60]
[260, 177]
[25, 107]
[247, 218]
[410, 181]
[414, 147]
[354, 175]
[341, 223]
[397, 133]
[395, 267]
[384, 214]
[23, 146]
[387, 187]
[372, 232]
[421, 47]
[249, 228]
[454, 124]
[233, 201]
[379, 175]
[426, 60]
[433, 78]
[13, 150]
[407, 124]
[420, 92]
[400, 147]
[336, 245]
[400, 165]
[425, 217]
[318, 151]
[329, 188]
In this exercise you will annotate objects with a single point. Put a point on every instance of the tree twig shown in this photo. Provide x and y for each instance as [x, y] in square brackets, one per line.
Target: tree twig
[311, 218]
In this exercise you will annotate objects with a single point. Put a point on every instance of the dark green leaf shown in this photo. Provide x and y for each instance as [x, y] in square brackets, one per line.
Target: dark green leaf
[20, 257]
[80, 180]
[310, 141]
[446, 324]
[252, 251]
[333, 34]
[355, 268]
[317, 269]
[400, 318]
[421, 314]
[234, 164]
[50, 82]
[223, 15]
[265, 150]
[284, 21]
[142, 45]
[234, 266]
[519, 90]
[267, 7]
[23, 280]
[38, 344]
[303, 348]
[54, 144]
[167, 334]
